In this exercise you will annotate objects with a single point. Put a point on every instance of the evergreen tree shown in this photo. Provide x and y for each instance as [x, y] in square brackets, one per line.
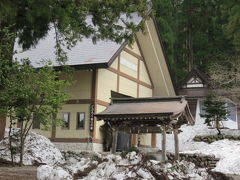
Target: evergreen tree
[31, 20]
[231, 13]
[215, 111]
[198, 32]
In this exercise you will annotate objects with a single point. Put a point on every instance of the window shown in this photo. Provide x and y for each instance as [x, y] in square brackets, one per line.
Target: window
[232, 111]
[66, 120]
[80, 120]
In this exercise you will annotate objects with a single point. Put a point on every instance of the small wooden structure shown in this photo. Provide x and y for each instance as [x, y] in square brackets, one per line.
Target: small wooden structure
[196, 86]
[147, 115]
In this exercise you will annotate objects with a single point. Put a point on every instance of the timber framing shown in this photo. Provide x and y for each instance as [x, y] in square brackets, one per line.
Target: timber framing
[130, 77]
[93, 100]
[77, 140]
[147, 115]
[133, 53]
[79, 101]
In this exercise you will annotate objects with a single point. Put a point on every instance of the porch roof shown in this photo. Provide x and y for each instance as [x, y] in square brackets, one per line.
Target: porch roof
[147, 112]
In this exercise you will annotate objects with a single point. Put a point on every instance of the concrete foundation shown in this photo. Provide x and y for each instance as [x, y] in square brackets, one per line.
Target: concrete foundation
[78, 147]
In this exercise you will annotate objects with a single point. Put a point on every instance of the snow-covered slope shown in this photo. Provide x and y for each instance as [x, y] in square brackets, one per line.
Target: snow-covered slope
[38, 150]
[228, 151]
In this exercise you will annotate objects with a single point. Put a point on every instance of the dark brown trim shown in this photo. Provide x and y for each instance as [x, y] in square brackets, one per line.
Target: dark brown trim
[102, 103]
[76, 140]
[100, 141]
[117, 53]
[154, 140]
[133, 53]
[144, 62]
[79, 101]
[85, 66]
[93, 99]
[130, 78]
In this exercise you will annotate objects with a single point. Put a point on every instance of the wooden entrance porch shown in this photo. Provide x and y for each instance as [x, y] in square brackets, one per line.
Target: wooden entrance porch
[147, 115]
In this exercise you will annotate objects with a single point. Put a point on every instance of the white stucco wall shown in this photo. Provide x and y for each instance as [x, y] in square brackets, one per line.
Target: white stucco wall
[228, 124]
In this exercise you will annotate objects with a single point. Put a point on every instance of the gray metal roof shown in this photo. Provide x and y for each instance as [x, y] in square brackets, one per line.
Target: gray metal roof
[161, 106]
[85, 52]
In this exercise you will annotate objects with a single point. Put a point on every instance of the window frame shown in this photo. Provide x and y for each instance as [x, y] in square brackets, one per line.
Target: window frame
[78, 113]
[66, 128]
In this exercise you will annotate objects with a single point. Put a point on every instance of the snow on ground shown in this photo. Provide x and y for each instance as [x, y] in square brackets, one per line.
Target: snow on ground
[228, 151]
[133, 165]
[46, 172]
[38, 150]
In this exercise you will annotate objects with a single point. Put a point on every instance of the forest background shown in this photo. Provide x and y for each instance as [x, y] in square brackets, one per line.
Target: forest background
[198, 32]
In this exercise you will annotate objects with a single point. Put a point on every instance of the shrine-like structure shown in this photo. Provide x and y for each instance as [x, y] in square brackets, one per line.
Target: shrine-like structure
[147, 115]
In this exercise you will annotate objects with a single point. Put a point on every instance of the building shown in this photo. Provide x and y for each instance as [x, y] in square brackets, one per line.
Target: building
[104, 70]
[195, 86]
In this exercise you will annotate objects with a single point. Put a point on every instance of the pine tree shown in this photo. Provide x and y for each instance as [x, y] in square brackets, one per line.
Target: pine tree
[198, 32]
[216, 111]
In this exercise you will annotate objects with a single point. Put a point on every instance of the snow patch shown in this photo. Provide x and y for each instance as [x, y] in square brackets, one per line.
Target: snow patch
[38, 150]
[228, 151]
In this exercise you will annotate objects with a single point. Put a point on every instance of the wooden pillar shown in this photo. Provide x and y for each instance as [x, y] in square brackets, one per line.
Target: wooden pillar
[154, 140]
[2, 126]
[114, 140]
[176, 143]
[134, 140]
[164, 144]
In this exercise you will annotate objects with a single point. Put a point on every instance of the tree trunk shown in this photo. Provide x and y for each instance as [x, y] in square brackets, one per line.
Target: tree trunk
[189, 41]
[217, 127]
[21, 145]
[2, 126]
[10, 141]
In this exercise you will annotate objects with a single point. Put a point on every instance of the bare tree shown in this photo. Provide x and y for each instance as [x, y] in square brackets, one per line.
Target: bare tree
[226, 76]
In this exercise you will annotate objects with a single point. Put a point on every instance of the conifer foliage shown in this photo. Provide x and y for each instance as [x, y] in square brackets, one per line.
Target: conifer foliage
[197, 32]
[215, 111]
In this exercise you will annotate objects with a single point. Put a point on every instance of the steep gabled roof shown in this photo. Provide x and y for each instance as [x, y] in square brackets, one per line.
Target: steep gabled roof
[84, 54]
[195, 72]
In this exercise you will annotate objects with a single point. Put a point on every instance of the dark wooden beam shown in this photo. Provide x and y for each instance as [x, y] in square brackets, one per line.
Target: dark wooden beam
[163, 145]
[137, 130]
[114, 141]
[176, 143]
[79, 101]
